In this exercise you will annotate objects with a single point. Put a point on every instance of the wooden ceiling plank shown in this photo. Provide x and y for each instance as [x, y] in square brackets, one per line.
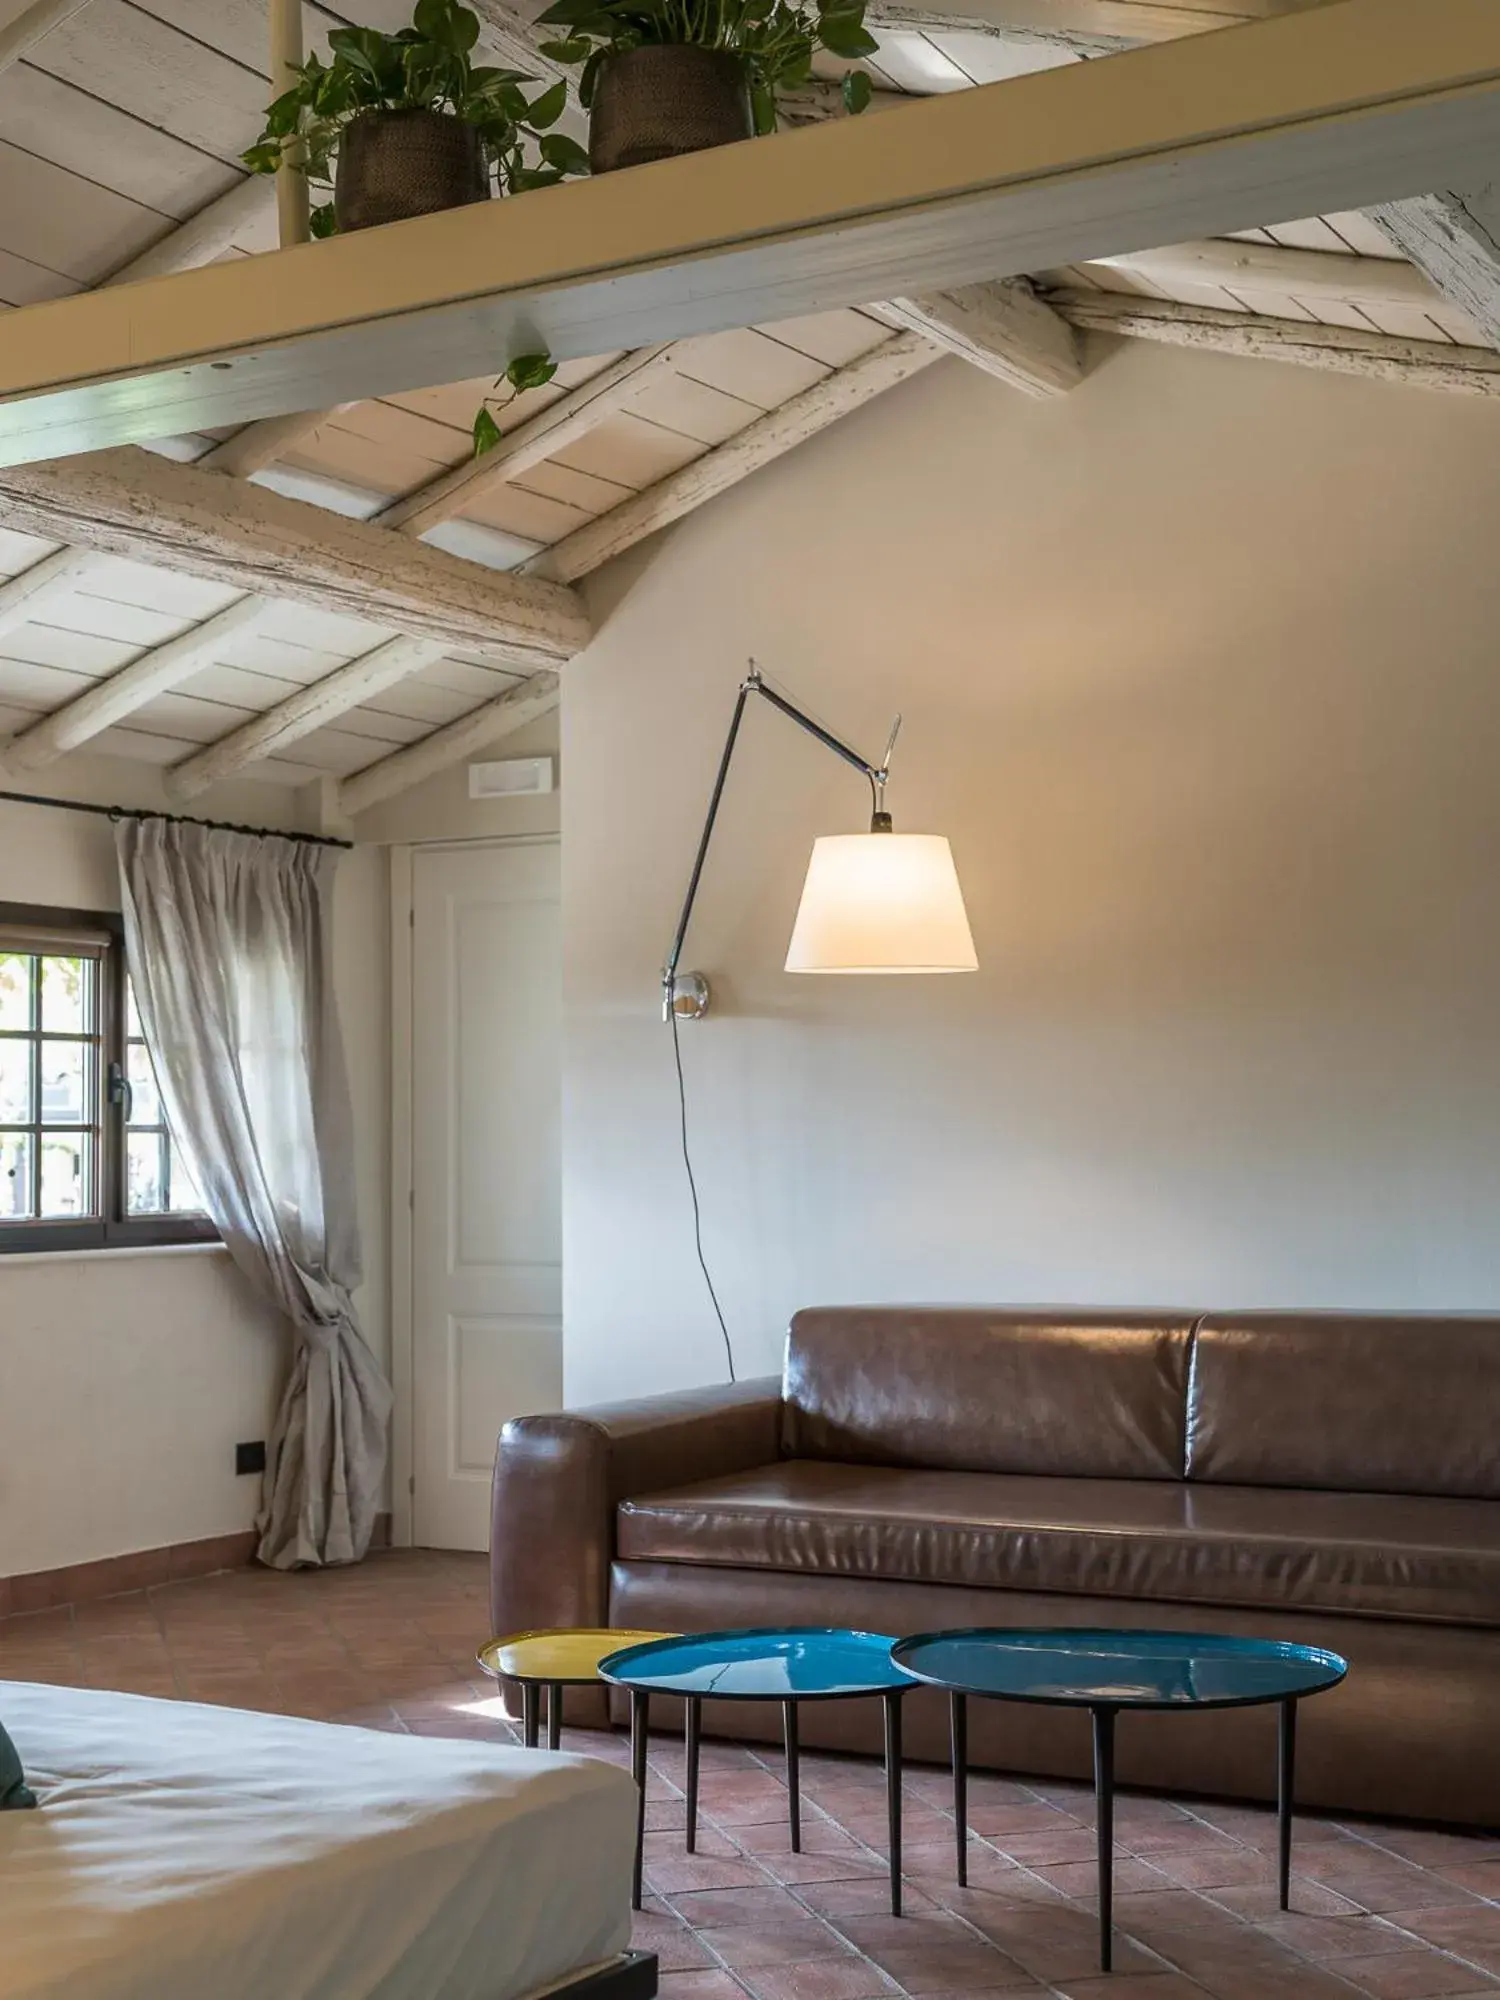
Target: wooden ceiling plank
[1455, 239]
[24, 23]
[562, 423]
[110, 701]
[215, 228]
[508, 712]
[137, 504]
[1472, 371]
[309, 709]
[1353, 103]
[1002, 328]
[767, 439]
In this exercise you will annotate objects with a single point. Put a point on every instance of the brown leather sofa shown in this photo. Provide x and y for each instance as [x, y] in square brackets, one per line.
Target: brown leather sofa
[1329, 1477]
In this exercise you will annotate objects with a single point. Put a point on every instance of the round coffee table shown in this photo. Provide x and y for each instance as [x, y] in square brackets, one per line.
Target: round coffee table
[785, 1664]
[551, 1660]
[1106, 1672]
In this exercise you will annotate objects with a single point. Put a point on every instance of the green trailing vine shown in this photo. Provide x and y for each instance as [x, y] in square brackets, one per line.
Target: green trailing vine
[776, 39]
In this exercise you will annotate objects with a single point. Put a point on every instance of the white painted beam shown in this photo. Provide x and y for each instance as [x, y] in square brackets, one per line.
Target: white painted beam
[136, 504]
[1297, 274]
[1358, 102]
[260, 444]
[111, 701]
[23, 596]
[1455, 239]
[301, 713]
[550, 431]
[1419, 364]
[215, 228]
[404, 768]
[770, 437]
[1003, 328]
[24, 23]
[1087, 24]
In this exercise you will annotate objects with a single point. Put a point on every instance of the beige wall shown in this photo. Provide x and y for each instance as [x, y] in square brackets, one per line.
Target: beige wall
[1198, 666]
[126, 1378]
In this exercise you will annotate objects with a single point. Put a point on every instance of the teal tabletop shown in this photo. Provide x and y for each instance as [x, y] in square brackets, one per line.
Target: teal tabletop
[799, 1663]
[1123, 1669]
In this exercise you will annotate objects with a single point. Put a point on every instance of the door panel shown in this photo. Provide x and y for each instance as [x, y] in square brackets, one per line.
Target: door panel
[486, 1169]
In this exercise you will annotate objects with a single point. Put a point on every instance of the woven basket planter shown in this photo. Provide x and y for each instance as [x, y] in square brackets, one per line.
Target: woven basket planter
[654, 102]
[396, 164]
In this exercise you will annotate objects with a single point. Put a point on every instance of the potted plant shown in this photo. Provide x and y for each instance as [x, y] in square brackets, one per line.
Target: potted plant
[673, 76]
[400, 125]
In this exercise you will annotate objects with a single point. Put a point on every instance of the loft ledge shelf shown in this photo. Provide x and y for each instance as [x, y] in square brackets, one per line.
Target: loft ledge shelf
[1350, 104]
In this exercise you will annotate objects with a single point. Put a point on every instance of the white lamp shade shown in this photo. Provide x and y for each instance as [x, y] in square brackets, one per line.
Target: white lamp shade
[881, 902]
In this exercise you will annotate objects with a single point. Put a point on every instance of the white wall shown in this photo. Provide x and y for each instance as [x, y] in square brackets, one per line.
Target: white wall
[1198, 666]
[126, 1378]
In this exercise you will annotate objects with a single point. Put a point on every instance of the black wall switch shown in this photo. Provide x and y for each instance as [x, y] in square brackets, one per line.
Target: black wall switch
[250, 1457]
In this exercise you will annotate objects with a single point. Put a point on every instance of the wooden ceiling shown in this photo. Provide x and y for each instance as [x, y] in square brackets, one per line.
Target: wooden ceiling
[125, 122]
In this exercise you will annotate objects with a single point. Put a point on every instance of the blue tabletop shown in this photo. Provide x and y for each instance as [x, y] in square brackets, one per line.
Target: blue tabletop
[801, 1661]
[1131, 1669]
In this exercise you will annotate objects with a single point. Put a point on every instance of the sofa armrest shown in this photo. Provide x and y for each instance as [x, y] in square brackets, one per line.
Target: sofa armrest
[559, 1479]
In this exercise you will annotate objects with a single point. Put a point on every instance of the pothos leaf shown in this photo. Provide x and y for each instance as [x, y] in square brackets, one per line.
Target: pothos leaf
[549, 107]
[486, 430]
[530, 371]
[323, 222]
[857, 90]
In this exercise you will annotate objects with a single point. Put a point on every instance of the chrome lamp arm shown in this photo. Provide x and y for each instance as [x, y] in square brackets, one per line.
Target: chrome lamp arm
[686, 993]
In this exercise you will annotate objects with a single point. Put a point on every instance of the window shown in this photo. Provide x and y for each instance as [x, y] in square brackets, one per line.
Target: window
[86, 1158]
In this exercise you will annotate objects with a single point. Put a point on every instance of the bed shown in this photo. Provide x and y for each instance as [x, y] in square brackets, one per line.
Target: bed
[190, 1853]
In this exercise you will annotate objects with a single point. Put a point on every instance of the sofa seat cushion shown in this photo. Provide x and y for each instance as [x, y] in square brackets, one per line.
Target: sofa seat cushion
[1376, 1554]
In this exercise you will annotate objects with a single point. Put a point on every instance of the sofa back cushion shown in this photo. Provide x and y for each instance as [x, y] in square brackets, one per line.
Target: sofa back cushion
[1364, 1402]
[990, 1389]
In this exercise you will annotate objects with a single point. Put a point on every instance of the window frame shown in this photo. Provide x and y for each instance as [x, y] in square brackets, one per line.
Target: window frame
[114, 1228]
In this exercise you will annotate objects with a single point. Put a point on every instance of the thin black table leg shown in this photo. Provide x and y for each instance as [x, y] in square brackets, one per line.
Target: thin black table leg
[693, 1728]
[554, 1715]
[531, 1713]
[793, 1774]
[1104, 1806]
[958, 1715]
[893, 1793]
[640, 1717]
[1286, 1762]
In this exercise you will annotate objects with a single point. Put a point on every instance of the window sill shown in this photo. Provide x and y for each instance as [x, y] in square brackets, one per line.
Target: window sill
[113, 1254]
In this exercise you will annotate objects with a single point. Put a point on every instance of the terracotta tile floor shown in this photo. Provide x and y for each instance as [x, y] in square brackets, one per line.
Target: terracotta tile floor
[1391, 1913]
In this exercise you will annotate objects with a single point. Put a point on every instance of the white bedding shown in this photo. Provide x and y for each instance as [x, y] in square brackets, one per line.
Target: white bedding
[188, 1853]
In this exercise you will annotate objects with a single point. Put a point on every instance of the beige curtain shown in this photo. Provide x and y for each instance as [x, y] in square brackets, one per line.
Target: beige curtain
[228, 939]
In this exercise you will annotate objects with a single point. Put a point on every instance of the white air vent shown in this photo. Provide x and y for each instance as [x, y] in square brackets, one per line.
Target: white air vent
[513, 777]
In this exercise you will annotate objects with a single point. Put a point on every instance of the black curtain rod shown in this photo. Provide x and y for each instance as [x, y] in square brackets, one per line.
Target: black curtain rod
[173, 819]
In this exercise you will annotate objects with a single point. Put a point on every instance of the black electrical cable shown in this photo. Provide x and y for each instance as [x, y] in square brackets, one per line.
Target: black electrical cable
[687, 1161]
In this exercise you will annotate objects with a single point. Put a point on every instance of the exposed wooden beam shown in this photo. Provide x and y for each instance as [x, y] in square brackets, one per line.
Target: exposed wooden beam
[22, 597]
[1297, 274]
[1363, 101]
[24, 23]
[1455, 239]
[1003, 328]
[134, 503]
[301, 713]
[1420, 364]
[260, 444]
[405, 768]
[768, 438]
[215, 228]
[550, 431]
[110, 701]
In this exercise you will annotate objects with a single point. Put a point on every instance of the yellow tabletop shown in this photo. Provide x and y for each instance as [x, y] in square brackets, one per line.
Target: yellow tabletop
[568, 1658]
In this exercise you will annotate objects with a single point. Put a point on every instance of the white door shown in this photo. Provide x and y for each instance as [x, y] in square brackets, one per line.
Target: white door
[486, 1170]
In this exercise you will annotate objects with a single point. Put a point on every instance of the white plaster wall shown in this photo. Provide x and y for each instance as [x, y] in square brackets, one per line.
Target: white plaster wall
[1198, 667]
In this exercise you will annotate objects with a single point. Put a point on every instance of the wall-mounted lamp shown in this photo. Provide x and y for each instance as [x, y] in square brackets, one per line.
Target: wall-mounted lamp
[872, 902]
